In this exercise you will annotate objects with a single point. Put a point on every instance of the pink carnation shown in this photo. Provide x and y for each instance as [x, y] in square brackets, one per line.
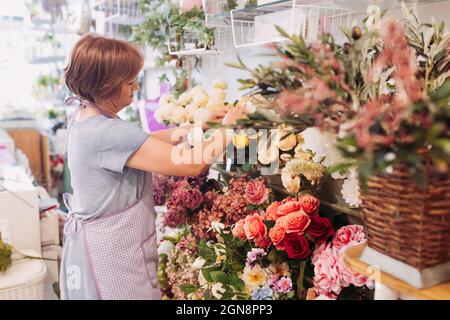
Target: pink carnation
[351, 234]
[284, 285]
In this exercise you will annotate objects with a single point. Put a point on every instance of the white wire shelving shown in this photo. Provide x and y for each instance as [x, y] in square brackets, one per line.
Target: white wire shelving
[121, 12]
[256, 26]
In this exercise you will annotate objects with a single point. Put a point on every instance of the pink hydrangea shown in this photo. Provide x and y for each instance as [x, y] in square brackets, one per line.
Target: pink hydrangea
[330, 272]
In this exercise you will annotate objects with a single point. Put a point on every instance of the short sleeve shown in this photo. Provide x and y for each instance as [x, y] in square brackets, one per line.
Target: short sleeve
[118, 141]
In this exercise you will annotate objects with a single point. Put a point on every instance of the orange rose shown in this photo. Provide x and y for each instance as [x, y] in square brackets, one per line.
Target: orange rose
[288, 207]
[297, 222]
[254, 226]
[271, 211]
[277, 234]
[238, 230]
[283, 221]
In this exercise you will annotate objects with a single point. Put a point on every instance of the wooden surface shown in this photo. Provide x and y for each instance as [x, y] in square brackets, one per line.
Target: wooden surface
[351, 259]
[36, 147]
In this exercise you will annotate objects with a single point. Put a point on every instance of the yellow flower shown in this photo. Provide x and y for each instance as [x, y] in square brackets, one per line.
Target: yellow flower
[220, 259]
[240, 140]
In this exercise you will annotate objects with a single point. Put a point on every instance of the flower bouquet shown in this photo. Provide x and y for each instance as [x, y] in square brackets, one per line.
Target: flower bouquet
[191, 106]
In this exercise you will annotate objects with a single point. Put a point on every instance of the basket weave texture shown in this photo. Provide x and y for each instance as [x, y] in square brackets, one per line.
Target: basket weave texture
[406, 223]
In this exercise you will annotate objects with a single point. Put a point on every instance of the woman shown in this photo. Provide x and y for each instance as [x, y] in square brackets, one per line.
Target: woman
[110, 240]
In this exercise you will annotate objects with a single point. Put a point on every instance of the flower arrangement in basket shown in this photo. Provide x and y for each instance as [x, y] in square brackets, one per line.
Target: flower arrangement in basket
[385, 95]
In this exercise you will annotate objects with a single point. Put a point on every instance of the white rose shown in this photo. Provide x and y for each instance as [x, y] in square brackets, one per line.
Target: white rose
[292, 185]
[200, 99]
[166, 99]
[198, 90]
[217, 290]
[178, 115]
[173, 232]
[218, 94]
[165, 247]
[199, 263]
[219, 84]
[185, 98]
[158, 115]
[201, 115]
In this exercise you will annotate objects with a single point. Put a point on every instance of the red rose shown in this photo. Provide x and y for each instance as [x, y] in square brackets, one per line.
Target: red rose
[271, 211]
[320, 229]
[297, 222]
[256, 192]
[310, 204]
[262, 242]
[296, 246]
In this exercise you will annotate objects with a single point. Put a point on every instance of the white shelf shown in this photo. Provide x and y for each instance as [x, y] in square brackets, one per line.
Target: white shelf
[256, 26]
[123, 12]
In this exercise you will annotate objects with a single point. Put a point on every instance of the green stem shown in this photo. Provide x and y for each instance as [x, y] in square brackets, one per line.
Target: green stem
[300, 280]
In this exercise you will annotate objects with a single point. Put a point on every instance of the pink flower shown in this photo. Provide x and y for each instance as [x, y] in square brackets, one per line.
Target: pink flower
[284, 285]
[351, 234]
[193, 198]
[327, 277]
[238, 230]
[256, 192]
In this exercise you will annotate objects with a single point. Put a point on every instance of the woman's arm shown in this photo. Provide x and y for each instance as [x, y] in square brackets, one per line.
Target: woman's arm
[160, 157]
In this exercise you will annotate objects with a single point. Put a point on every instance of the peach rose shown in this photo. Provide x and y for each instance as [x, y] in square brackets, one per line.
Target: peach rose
[238, 230]
[282, 221]
[297, 222]
[277, 234]
[288, 207]
[309, 204]
[254, 226]
[271, 211]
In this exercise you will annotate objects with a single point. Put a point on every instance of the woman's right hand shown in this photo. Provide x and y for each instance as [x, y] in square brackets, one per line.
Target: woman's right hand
[233, 115]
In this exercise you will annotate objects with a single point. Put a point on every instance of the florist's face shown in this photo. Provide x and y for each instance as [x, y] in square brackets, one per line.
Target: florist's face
[126, 93]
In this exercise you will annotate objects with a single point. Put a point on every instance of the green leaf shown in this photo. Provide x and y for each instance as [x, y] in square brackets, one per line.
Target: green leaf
[219, 276]
[236, 282]
[442, 93]
[188, 288]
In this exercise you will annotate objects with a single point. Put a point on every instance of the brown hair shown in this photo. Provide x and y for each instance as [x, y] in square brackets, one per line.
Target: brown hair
[99, 66]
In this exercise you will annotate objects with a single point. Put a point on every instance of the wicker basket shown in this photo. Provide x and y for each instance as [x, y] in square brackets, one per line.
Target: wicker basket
[407, 223]
[25, 280]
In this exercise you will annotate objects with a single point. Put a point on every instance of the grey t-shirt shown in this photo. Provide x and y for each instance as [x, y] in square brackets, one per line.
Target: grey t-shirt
[97, 149]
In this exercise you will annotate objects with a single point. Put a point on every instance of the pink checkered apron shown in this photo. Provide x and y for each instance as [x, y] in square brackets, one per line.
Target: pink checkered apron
[121, 249]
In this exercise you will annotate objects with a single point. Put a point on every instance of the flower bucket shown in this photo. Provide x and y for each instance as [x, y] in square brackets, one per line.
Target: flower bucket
[409, 228]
